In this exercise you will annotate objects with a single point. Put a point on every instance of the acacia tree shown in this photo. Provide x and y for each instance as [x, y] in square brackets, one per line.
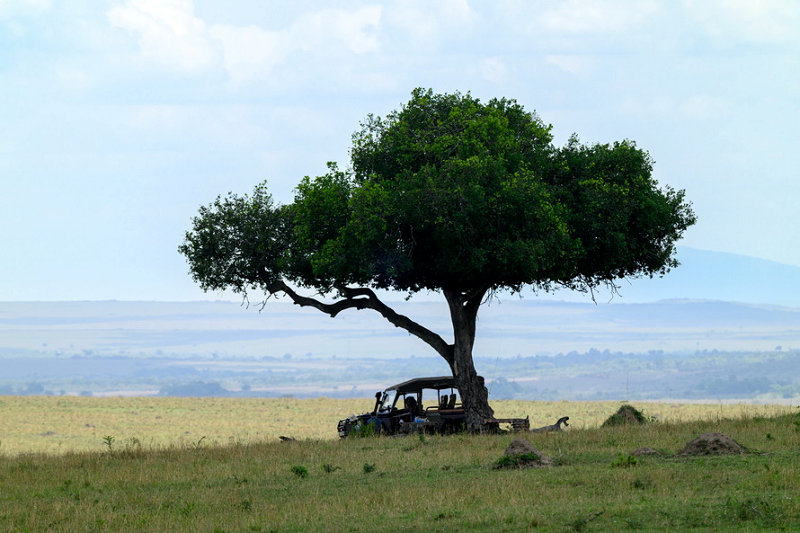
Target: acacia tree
[451, 195]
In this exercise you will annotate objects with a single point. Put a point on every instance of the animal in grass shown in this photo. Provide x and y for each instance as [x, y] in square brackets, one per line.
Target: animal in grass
[554, 427]
[286, 439]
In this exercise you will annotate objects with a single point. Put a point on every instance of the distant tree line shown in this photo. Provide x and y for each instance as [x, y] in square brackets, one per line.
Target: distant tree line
[196, 389]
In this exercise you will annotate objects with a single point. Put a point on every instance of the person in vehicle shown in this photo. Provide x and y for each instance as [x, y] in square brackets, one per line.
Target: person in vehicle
[411, 405]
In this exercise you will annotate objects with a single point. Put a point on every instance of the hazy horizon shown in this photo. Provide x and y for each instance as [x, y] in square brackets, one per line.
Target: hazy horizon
[703, 275]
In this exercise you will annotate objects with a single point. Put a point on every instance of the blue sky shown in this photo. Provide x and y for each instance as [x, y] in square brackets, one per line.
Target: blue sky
[118, 119]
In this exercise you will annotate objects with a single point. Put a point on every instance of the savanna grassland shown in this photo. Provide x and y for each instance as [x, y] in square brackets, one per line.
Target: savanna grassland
[52, 425]
[138, 469]
[417, 483]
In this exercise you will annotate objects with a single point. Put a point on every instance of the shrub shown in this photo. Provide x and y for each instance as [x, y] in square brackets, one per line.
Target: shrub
[364, 430]
[300, 471]
[625, 461]
[514, 461]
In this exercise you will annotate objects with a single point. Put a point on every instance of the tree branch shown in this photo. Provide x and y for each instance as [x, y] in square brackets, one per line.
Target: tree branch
[365, 298]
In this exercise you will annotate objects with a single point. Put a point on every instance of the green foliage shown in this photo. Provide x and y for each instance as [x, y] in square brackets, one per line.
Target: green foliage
[299, 471]
[449, 192]
[368, 468]
[625, 461]
[364, 430]
[514, 461]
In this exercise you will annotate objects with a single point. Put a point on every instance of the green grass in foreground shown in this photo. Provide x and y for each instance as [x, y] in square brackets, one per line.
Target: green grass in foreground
[418, 484]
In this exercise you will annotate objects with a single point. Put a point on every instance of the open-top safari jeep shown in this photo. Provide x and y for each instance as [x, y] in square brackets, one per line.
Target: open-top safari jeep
[430, 404]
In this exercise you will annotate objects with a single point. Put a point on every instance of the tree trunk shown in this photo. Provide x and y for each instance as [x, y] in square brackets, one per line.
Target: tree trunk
[474, 395]
[463, 313]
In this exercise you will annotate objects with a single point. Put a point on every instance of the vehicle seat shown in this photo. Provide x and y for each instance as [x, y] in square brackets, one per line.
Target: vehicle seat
[452, 403]
[443, 402]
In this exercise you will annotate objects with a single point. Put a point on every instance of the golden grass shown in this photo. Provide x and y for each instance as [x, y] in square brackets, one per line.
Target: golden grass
[57, 425]
[429, 483]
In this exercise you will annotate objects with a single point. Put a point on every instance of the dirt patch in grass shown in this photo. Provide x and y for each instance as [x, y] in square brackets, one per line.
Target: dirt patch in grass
[645, 451]
[712, 444]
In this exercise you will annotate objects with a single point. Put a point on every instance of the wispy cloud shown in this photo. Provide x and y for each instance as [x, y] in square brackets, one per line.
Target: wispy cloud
[249, 52]
[169, 33]
[424, 25]
[573, 17]
[747, 21]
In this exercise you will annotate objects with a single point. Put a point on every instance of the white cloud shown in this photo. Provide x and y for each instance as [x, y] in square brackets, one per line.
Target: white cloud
[356, 30]
[425, 24]
[413, 24]
[168, 32]
[597, 17]
[762, 21]
[455, 13]
[494, 70]
[249, 52]
[580, 66]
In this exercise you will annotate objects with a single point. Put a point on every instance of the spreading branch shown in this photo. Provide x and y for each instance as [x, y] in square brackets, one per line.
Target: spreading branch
[365, 298]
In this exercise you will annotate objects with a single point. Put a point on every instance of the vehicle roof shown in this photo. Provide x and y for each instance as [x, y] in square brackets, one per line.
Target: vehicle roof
[416, 384]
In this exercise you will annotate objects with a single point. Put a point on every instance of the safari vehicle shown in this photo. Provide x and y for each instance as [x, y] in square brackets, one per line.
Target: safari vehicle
[423, 404]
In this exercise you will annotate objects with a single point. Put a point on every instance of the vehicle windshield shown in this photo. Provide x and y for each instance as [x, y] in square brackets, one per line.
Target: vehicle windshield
[387, 400]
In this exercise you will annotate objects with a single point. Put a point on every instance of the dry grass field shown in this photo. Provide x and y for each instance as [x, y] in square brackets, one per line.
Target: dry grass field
[597, 481]
[62, 424]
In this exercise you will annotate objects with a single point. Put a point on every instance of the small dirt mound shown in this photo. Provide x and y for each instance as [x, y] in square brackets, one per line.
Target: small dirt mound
[712, 444]
[522, 454]
[627, 414]
[644, 451]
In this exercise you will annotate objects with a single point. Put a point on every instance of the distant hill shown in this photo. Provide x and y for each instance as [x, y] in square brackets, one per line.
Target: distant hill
[712, 301]
[707, 275]
[506, 328]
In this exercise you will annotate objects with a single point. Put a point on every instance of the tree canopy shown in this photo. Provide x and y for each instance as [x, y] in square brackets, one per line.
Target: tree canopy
[453, 195]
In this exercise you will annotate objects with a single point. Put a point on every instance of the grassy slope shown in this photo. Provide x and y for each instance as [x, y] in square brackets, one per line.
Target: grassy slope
[428, 484]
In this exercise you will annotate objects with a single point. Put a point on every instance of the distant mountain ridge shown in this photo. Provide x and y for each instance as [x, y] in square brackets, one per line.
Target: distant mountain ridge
[708, 275]
[507, 327]
[714, 300]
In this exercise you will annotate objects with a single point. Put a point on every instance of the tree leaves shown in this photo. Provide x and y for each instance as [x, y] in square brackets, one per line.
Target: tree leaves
[450, 193]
